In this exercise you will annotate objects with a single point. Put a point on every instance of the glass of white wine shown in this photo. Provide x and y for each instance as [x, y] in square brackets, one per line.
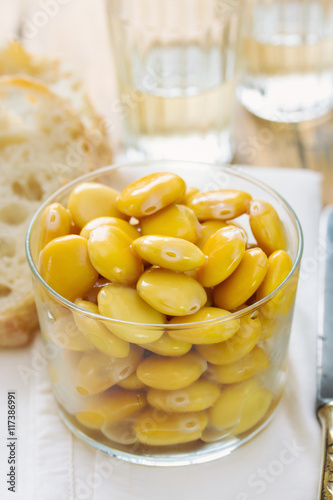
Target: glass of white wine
[177, 64]
[288, 59]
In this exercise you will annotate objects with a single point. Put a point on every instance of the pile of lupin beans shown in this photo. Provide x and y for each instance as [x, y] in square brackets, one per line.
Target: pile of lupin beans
[175, 262]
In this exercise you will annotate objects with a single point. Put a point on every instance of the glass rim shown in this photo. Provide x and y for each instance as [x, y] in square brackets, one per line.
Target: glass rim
[166, 326]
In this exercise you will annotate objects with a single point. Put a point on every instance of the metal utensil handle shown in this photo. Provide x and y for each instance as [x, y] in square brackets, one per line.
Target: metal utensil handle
[325, 415]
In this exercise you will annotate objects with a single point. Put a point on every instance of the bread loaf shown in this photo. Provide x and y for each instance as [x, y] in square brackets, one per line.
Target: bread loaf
[44, 143]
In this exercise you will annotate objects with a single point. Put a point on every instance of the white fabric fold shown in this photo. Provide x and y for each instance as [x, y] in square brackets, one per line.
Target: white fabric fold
[283, 461]
[56, 452]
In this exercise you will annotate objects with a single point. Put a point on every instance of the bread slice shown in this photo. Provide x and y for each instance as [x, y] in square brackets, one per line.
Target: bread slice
[59, 77]
[43, 145]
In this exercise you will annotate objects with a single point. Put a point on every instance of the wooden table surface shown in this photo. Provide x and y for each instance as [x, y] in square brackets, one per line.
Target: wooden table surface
[76, 30]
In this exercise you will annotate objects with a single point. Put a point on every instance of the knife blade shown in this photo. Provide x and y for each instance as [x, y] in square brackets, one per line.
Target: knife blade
[325, 353]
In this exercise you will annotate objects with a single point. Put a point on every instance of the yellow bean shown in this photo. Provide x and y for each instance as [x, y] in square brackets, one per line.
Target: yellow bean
[208, 228]
[243, 282]
[279, 266]
[266, 226]
[189, 192]
[125, 226]
[159, 429]
[235, 348]
[63, 368]
[55, 222]
[96, 371]
[177, 221]
[91, 295]
[65, 266]
[131, 382]
[211, 434]
[224, 251]
[111, 408]
[240, 407]
[98, 334]
[150, 194]
[171, 372]
[171, 293]
[240, 370]
[202, 334]
[111, 255]
[65, 333]
[124, 304]
[167, 346]
[75, 229]
[71, 359]
[282, 303]
[196, 397]
[122, 432]
[90, 200]
[222, 204]
[271, 324]
[90, 419]
[176, 254]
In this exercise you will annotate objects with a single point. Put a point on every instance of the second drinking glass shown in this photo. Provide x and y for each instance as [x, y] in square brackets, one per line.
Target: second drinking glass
[287, 59]
[177, 65]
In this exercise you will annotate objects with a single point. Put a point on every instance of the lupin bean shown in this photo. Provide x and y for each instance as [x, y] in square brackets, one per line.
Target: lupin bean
[125, 226]
[111, 255]
[189, 192]
[224, 251]
[122, 432]
[124, 304]
[208, 228]
[243, 282]
[205, 334]
[90, 200]
[98, 334]
[111, 408]
[240, 370]
[65, 333]
[150, 194]
[97, 372]
[171, 372]
[169, 429]
[168, 346]
[196, 397]
[240, 407]
[224, 204]
[279, 266]
[235, 348]
[65, 265]
[266, 226]
[177, 221]
[56, 221]
[131, 382]
[171, 293]
[176, 254]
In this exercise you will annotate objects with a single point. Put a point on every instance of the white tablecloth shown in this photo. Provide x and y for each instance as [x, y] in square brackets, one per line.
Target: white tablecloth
[282, 462]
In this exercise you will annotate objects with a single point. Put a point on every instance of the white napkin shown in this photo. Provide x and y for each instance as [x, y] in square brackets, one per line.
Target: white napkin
[283, 461]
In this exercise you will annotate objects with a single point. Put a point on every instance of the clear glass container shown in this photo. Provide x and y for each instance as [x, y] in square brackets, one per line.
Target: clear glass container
[287, 62]
[231, 388]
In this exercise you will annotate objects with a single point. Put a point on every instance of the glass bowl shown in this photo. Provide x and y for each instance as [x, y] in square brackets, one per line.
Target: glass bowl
[210, 398]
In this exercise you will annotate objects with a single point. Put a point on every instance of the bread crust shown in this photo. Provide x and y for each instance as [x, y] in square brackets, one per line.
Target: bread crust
[16, 61]
[18, 325]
